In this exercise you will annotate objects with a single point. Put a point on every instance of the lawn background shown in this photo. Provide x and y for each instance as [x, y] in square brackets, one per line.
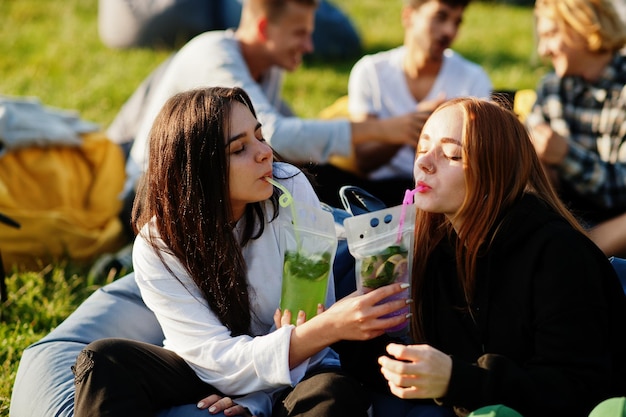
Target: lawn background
[51, 50]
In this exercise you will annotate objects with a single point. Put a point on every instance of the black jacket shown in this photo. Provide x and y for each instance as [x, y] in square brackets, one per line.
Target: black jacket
[547, 336]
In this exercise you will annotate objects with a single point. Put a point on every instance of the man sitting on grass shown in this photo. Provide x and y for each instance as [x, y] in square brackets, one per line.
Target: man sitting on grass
[272, 38]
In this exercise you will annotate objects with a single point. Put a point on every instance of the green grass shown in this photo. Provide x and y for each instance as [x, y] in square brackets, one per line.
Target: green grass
[51, 50]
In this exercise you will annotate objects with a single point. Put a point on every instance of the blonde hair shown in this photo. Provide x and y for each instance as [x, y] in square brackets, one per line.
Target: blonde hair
[595, 20]
[453, 3]
[274, 9]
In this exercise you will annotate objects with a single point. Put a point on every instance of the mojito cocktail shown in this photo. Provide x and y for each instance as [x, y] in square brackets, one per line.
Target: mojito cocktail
[384, 268]
[305, 281]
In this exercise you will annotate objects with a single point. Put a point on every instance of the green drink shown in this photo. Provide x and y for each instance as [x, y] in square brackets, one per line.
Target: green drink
[305, 281]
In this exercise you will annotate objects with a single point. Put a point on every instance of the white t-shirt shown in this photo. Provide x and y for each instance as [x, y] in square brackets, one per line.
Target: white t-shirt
[378, 87]
[214, 59]
[234, 365]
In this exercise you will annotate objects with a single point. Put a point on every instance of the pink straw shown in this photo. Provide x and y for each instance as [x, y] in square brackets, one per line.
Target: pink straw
[408, 199]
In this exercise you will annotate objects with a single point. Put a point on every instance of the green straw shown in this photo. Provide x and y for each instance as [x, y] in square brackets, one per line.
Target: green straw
[286, 199]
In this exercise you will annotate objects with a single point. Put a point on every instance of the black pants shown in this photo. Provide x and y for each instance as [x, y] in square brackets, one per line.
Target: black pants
[120, 377]
[325, 393]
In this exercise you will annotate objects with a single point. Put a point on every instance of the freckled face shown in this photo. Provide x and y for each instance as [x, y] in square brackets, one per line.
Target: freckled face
[250, 161]
[439, 169]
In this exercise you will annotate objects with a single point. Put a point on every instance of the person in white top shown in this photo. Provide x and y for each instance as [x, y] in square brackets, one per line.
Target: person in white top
[271, 38]
[208, 262]
[419, 75]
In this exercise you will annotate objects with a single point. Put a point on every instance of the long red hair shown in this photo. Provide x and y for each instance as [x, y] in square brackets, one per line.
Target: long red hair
[500, 166]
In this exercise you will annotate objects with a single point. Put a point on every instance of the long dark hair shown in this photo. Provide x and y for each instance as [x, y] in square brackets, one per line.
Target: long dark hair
[185, 190]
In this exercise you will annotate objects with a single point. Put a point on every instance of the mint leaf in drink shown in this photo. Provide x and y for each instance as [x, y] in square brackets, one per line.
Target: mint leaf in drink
[308, 267]
[385, 267]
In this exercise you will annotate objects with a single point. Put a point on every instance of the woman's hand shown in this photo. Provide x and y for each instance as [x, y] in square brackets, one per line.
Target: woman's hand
[355, 317]
[216, 404]
[419, 371]
[551, 147]
[359, 316]
[284, 318]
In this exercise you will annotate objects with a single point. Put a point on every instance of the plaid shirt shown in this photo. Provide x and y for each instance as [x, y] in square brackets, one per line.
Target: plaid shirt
[592, 117]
